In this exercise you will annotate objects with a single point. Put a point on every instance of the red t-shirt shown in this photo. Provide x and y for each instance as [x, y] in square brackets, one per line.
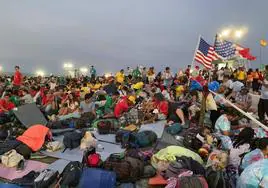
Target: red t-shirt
[17, 78]
[162, 106]
[120, 107]
[6, 104]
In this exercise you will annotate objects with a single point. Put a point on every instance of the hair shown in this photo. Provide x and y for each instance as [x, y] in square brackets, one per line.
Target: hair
[88, 95]
[116, 93]
[159, 97]
[17, 67]
[262, 143]
[25, 90]
[245, 136]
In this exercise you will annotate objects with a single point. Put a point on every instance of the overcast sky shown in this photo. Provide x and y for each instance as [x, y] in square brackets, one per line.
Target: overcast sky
[112, 34]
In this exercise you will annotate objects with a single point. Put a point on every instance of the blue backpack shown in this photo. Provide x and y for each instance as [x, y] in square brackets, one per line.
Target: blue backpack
[97, 178]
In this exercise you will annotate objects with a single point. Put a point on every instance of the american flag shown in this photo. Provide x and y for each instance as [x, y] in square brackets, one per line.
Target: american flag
[205, 54]
[226, 49]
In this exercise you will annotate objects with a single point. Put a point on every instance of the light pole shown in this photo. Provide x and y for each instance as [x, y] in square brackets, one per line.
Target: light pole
[40, 73]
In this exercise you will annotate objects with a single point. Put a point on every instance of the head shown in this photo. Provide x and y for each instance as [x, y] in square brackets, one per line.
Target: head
[159, 97]
[225, 78]
[167, 69]
[115, 95]
[221, 89]
[131, 100]
[122, 71]
[17, 68]
[25, 92]
[230, 113]
[245, 136]
[263, 145]
[88, 97]
[244, 91]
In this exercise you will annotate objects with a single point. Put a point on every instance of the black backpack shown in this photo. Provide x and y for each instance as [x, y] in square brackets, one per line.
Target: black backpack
[184, 163]
[127, 169]
[190, 141]
[72, 140]
[45, 178]
[71, 174]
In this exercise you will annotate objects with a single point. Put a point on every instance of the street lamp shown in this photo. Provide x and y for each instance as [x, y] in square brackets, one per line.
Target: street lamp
[40, 73]
[84, 70]
[233, 33]
[68, 65]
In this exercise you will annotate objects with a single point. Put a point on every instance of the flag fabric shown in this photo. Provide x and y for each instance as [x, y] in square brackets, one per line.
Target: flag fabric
[226, 50]
[205, 54]
[263, 43]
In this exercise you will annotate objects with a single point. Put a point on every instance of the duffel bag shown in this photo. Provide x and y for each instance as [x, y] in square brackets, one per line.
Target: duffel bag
[127, 169]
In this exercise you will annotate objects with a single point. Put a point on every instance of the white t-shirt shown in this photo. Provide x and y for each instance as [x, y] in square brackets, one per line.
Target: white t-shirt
[234, 158]
[236, 86]
[227, 84]
[264, 90]
[220, 74]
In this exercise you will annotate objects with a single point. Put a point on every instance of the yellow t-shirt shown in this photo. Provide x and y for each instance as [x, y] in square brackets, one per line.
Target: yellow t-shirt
[120, 77]
[241, 75]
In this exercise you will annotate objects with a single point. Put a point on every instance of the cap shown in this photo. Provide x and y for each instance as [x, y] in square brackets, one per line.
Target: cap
[132, 99]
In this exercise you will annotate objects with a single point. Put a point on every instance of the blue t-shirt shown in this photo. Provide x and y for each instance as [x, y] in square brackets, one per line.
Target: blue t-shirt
[222, 124]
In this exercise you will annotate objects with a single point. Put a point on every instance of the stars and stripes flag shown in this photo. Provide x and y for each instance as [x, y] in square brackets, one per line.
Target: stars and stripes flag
[226, 50]
[205, 54]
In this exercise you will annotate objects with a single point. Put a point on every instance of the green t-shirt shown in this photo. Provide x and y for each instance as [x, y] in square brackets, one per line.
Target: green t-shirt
[14, 100]
[109, 102]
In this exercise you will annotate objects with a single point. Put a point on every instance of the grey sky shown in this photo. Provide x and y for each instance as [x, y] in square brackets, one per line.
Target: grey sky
[112, 34]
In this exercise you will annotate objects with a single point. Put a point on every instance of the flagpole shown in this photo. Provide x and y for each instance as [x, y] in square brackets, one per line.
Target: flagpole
[199, 37]
[260, 56]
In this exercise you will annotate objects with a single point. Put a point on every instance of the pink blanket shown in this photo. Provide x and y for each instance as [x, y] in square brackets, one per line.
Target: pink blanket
[12, 173]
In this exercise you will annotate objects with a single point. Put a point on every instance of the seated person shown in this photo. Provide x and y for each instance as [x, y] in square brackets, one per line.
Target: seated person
[172, 111]
[123, 105]
[223, 123]
[243, 100]
[261, 152]
[26, 98]
[6, 105]
[88, 105]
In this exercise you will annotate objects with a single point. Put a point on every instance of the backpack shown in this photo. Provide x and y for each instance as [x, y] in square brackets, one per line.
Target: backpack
[136, 140]
[91, 158]
[174, 129]
[181, 164]
[190, 141]
[45, 178]
[71, 174]
[127, 169]
[72, 140]
[146, 138]
[106, 126]
[217, 179]
[11, 158]
[191, 182]
[97, 178]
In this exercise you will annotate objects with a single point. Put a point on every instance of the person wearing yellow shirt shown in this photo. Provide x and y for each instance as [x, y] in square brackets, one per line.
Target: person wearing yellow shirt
[241, 75]
[84, 90]
[120, 77]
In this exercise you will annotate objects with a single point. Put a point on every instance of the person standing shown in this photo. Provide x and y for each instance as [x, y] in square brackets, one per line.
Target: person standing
[167, 77]
[220, 74]
[255, 83]
[93, 73]
[263, 103]
[17, 81]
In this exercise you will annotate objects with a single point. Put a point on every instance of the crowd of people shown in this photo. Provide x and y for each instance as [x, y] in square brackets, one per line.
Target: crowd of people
[226, 138]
